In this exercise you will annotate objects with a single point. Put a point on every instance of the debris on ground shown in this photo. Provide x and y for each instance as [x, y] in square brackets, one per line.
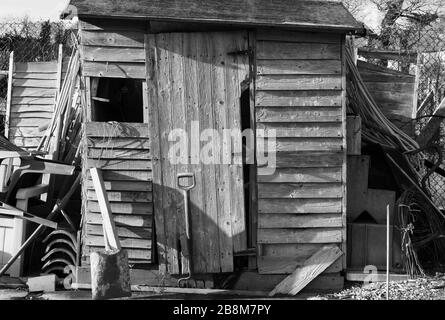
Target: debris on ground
[425, 288]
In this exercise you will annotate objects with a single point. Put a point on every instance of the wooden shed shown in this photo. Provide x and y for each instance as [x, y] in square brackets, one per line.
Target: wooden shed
[149, 67]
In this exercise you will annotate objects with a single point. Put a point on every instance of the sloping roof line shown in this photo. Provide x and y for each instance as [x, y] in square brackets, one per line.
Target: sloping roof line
[279, 13]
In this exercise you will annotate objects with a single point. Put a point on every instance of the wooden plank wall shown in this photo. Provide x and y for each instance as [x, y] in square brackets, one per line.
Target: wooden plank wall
[122, 152]
[393, 91]
[33, 96]
[113, 48]
[299, 93]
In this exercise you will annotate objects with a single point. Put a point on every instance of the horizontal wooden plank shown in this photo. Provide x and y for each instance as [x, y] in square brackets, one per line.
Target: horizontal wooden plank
[298, 82]
[298, 67]
[112, 54]
[297, 36]
[27, 122]
[117, 130]
[319, 235]
[300, 144]
[114, 70]
[133, 254]
[122, 220]
[283, 220]
[123, 196]
[299, 250]
[34, 83]
[25, 142]
[33, 115]
[399, 100]
[34, 92]
[377, 77]
[113, 25]
[91, 240]
[364, 66]
[123, 232]
[137, 208]
[299, 206]
[35, 75]
[306, 159]
[295, 175]
[119, 164]
[325, 98]
[299, 130]
[287, 265]
[122, 175]
[291, 114]
[27, 132]
[38, 67]
[390, 87]
[300, 190]
[397, 55]
[119, 143]
[132, 39]
[32, 101]
[99, 153]
[285, 50]
[32, 108]
[123, 185]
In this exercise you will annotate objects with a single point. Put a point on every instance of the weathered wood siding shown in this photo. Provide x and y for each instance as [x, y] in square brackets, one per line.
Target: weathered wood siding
[33, 95]
[113, 48]
[393, 91]
[122, 152]
[299, 94]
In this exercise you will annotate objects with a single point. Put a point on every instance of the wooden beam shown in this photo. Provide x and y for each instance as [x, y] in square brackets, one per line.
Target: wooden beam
[253, 194]
[155, 147]
[145, 102]
[110, 234]
[388, 54]
[88, 107]
[9, 94]
[416, 86]
[20, 214]
[312, 267]
[354, 135]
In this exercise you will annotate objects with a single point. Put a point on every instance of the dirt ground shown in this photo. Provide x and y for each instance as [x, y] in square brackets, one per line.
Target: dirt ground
[427, 288]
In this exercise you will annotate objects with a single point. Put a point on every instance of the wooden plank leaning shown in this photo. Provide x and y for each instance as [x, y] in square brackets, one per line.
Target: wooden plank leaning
[311, 268]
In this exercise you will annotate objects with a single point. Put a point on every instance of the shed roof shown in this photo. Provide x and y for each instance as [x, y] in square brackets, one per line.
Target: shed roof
[279, 13]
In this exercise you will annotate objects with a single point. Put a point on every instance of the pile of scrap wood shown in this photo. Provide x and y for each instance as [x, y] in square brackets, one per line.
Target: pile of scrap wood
[59, 146]
[62, 137]
[423, 223]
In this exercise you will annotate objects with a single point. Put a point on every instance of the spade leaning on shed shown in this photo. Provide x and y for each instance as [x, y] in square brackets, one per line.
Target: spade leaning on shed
[148, 67]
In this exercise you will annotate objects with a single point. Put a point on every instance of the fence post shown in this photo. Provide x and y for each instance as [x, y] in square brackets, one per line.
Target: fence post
[9, 94]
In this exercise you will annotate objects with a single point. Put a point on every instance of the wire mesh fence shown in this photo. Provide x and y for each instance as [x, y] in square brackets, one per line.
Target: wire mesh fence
[31, 42]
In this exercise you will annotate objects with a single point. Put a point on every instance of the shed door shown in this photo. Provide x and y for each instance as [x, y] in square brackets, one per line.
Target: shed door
[194, 79]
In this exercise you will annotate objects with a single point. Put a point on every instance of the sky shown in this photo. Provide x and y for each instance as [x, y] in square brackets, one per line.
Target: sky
[34, 9]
